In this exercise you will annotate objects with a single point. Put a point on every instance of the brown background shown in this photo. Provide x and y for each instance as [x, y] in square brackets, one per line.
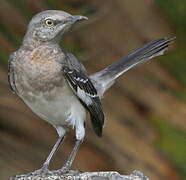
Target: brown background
[141, 108]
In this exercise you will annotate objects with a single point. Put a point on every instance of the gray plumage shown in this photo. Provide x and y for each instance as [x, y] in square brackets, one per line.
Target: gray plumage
[105, 78]
[56, 86]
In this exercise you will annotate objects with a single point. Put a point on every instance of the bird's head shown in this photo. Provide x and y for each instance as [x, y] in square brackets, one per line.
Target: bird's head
[50, 25]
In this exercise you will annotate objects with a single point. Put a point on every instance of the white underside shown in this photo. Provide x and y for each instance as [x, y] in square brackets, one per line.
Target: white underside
[60, 107]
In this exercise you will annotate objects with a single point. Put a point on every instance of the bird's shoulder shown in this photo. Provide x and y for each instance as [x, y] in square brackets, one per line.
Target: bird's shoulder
[72, 62]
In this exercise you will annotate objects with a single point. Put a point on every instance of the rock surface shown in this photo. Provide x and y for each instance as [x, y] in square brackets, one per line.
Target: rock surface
[136, 175]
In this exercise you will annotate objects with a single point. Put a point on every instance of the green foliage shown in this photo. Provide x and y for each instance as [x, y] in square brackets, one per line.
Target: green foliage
[172, 142]
[23, 7]
[176, 64]
[176, 14]
[10, 36]
[3, 57]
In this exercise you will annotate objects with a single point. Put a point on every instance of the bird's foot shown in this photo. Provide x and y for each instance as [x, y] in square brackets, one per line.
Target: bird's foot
[66, 170]
[40, 172]
[43, 170]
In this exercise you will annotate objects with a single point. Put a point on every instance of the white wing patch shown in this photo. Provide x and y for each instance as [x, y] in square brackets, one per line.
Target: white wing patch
[84, 96]
[87, 94]
[81, 79]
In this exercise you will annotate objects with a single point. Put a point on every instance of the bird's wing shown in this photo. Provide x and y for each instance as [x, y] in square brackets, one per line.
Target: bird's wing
[11, 77]
[87, 94]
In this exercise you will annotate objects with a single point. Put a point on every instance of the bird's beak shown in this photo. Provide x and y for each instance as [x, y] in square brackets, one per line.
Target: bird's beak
[73, 19]
[69, 21]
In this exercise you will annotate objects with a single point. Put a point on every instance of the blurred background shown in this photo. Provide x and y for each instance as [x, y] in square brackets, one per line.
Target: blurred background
[145, 109]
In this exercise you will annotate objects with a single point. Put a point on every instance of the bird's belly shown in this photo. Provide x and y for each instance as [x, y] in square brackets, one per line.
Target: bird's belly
[59, 107]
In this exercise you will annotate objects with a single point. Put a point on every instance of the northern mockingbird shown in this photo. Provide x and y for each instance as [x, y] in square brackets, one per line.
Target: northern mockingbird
[56, 86]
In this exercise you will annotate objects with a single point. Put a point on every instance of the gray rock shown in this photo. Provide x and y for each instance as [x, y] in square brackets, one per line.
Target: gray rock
[75, 175]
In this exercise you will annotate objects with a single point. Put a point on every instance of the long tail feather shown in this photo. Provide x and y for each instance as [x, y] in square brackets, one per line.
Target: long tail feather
[106, 77]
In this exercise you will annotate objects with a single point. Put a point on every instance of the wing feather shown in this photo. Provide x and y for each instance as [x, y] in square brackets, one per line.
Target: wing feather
[11, 74]
[87, 94]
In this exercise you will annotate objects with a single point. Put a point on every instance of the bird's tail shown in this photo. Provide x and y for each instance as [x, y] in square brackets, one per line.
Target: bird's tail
[106, 77]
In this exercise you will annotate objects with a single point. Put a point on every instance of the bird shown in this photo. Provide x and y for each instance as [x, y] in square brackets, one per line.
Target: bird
[56, 86]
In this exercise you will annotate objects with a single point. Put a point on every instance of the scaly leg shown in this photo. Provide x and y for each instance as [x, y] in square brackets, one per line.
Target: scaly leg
[46, 164]
[71, 157]
[53, 151]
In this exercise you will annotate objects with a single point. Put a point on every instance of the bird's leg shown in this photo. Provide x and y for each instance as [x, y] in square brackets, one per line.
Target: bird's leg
[44, 168]
[53, 151]
[71, 157]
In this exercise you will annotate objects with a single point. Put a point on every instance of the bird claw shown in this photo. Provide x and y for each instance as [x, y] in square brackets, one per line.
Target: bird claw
[64, 170]
[43, 170]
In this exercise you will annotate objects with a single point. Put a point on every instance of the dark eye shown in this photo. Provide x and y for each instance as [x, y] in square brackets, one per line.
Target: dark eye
[49, 22]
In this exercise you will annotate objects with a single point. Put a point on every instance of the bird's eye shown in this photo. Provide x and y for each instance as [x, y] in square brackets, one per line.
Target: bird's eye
[49, 22]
